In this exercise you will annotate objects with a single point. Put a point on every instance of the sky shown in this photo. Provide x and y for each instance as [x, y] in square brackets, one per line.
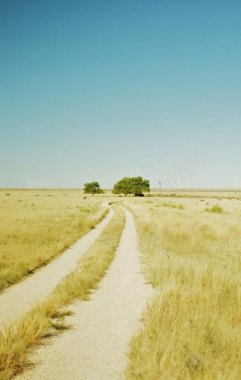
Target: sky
[99, 90]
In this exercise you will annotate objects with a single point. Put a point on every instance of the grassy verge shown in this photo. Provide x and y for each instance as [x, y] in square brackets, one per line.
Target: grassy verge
[18, 339]
[37, 225]
[192, 328]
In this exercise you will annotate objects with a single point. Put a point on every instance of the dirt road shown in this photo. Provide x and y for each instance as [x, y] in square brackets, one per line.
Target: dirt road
[95, 348]
[20, 298]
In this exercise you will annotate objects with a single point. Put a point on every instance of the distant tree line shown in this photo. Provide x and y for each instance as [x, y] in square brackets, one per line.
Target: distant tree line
[136, 186]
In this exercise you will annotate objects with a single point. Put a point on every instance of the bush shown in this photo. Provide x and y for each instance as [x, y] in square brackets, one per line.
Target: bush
[216, 209]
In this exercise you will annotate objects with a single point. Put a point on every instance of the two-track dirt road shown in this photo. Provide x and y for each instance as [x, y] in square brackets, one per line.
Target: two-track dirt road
[96, 345]
[20, 298]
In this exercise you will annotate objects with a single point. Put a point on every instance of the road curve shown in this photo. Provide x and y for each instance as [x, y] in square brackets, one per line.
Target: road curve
[20, 298]
[95, 348]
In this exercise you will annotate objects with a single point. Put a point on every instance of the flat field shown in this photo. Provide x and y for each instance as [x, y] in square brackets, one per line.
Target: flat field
[191, 254]
[37, 225]
[190, 245]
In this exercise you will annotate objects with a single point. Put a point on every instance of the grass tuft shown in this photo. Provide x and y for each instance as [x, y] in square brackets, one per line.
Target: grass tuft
[173, 205]
[215, 209]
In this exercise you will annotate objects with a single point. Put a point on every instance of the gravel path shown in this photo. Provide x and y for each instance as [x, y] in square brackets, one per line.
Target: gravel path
[95, 348]
[20, 298]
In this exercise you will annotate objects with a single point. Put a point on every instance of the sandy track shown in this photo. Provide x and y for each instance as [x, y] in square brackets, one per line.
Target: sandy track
[20, 298]
[95, 348]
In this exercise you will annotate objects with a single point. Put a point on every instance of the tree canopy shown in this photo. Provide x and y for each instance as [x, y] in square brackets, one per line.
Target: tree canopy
[132, 185]
[92, 188]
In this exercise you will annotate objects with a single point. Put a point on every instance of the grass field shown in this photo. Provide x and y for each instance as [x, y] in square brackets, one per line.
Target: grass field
[36, 225]
[190, 244]
[191, 251]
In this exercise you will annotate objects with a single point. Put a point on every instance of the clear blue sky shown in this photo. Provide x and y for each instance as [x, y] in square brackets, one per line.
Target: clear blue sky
[98, 90]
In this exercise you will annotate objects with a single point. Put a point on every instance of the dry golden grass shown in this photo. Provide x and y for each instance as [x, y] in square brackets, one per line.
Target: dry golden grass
[48, 317]
[37, 225]
[192, 328]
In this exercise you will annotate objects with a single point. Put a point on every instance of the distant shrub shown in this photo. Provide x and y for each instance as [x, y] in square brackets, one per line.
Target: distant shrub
[7, 194]
[216, 209]
[173, 205]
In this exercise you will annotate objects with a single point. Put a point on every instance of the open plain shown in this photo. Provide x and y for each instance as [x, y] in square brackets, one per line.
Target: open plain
[159, 299]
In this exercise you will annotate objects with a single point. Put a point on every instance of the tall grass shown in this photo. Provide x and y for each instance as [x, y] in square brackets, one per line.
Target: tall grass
[35, 226]
[192, 328]
[44, 320]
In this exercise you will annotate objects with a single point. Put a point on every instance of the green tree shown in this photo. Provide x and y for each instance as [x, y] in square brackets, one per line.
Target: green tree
[92, 188]
[132, 185]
